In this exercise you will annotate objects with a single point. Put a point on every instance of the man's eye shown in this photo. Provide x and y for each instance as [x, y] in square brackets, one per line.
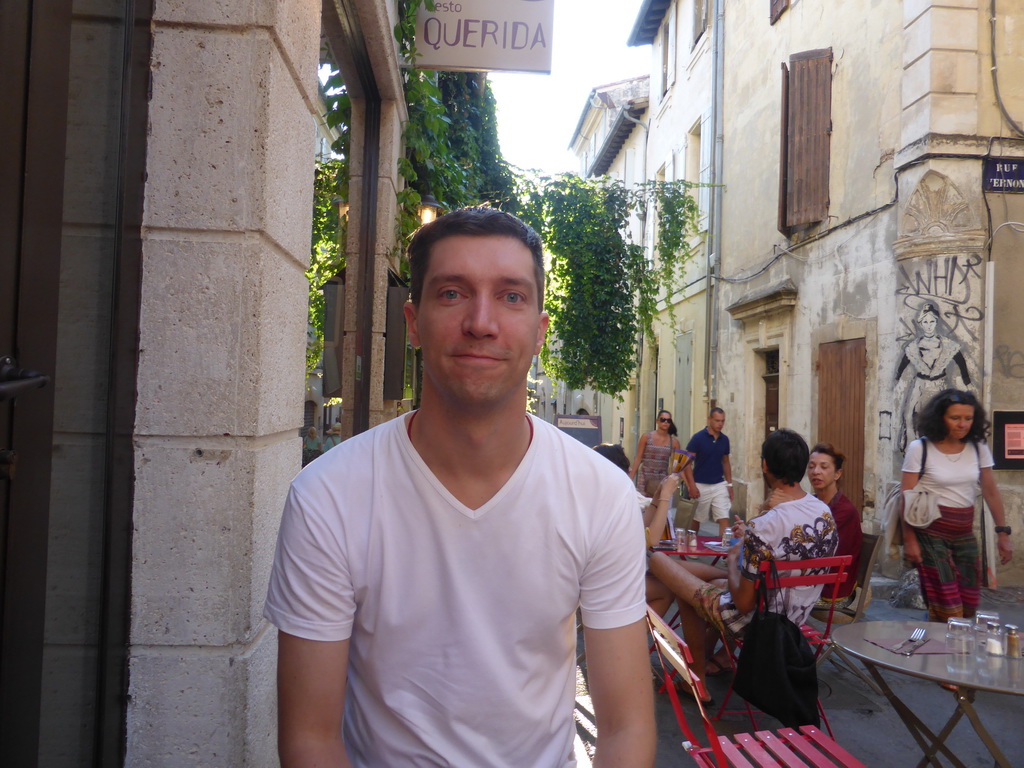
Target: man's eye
[514, 298]
[449, 294]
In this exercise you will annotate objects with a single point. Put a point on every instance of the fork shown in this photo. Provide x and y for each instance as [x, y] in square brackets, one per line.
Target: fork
[914, 646]
[916, 635]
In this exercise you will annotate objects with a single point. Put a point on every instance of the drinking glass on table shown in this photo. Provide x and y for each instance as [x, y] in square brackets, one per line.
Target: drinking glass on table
[959, 635]
[981, 622]
[682, 537]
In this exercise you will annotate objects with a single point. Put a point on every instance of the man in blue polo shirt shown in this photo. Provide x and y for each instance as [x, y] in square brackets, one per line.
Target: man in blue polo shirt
[709, 476]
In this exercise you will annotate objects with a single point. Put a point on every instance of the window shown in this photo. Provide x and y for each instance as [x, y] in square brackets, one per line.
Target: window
[668, 50]
[777, 8]
[700, 19]
[804, 139]
[698, 164]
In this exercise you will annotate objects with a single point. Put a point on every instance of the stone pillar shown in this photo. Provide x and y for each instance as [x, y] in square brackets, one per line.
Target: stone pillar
[940, 63]
[220, 384]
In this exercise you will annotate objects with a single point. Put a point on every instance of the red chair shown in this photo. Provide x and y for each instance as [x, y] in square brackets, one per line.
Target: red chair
[764, 749]
[821, 570]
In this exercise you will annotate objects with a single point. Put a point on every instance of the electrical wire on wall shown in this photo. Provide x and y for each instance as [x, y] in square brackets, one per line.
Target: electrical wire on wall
[1014, 125]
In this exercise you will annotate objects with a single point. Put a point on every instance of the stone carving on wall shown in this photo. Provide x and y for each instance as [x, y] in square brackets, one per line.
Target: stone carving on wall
[937, 220]
[941, 305]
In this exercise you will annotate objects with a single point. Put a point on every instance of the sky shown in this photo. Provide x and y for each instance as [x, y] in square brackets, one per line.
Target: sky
[537, 114]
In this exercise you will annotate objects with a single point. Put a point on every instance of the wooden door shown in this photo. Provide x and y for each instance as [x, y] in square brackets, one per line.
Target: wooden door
[841, 387]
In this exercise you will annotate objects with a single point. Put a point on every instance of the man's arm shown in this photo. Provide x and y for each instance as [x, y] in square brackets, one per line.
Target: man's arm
[691, 486]
[311, 677]
[742, 589]
[619, 670]
[727, 471]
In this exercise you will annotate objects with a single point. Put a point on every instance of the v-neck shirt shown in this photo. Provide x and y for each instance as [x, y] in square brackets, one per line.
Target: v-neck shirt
[457, 616]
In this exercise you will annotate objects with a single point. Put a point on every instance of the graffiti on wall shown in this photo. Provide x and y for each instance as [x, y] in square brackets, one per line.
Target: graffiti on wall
[941, 327]
[1010, 362]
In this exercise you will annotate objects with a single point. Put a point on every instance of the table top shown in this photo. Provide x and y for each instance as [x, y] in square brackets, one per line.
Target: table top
[707, 546]
[990, 673]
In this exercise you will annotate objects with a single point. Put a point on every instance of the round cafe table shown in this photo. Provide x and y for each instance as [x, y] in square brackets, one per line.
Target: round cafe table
[967, 672]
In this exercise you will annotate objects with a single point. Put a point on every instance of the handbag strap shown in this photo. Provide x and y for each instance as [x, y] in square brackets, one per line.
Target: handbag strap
[763, 590]
[924, 457]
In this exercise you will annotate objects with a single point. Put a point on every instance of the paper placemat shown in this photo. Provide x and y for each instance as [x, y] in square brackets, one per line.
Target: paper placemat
[932, 646]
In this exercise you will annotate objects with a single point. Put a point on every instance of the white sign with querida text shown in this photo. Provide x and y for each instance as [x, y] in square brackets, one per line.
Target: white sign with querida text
[486, 35]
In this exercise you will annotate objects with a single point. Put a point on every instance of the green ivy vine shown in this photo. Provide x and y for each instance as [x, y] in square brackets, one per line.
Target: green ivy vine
[451, 139]
[602, 291]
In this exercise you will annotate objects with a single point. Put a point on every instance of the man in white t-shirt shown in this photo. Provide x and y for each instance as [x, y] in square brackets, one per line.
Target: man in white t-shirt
[797, 527]
[428, 571]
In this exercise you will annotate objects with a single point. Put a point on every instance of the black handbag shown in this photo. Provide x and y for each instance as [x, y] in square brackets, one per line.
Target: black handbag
[776, 671]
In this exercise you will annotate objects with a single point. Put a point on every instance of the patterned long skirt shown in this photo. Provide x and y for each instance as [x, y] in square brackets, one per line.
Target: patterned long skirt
[950, 568]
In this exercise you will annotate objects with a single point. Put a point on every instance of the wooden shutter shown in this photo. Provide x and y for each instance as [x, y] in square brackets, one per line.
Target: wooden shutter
[777, 7]
[784, 152]
[808, 129]
[841, 382]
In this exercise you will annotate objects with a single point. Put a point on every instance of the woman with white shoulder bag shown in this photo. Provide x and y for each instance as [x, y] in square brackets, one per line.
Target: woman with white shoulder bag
[941, 474]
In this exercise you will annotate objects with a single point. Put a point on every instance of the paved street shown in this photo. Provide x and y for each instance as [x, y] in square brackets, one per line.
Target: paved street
[863, 721]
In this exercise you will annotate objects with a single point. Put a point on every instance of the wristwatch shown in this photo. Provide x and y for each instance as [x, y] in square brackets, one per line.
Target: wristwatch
[1003, 529]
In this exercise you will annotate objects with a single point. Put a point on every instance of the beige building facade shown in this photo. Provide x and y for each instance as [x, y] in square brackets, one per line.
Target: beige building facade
[864, 265]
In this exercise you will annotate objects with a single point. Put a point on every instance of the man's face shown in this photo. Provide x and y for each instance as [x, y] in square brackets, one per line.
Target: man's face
[716, 423]
[477, 321]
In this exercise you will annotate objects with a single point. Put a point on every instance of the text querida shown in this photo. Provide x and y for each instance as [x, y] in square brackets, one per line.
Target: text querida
[440, 32]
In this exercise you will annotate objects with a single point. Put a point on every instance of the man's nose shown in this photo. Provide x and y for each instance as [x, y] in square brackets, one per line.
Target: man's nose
[480, 318]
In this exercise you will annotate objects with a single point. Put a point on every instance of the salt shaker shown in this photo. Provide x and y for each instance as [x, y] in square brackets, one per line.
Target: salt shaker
[994, 640]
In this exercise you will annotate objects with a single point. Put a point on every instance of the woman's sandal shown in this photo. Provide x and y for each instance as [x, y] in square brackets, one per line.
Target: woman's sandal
[714, 668]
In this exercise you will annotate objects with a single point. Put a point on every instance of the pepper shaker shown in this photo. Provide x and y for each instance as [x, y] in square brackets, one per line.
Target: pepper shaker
[1012, 642]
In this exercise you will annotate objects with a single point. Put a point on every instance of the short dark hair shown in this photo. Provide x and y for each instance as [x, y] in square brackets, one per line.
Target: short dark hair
[785, 454]
[615, 454]
[838, 457]
[930, 420]
[715, 410]
[479, 221]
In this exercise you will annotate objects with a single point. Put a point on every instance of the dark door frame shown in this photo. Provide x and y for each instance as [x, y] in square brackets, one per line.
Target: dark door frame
[35, 71]
[35, 36]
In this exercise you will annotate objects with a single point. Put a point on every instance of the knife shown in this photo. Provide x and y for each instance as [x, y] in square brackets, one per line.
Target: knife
[901, 644]
[909, 650]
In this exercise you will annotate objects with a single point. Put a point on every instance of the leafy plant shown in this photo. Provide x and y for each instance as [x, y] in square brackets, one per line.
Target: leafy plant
[602, 291]
[451, 139]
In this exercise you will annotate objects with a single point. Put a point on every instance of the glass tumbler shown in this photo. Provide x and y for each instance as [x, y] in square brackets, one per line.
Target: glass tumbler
[959, 635]
[981, 622]
[681, 539]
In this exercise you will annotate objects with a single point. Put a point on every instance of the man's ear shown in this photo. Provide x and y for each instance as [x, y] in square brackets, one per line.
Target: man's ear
[542, 331]
[409, 310]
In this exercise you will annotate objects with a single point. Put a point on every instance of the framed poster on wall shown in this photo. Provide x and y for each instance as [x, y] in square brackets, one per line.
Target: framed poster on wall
[1008, 439]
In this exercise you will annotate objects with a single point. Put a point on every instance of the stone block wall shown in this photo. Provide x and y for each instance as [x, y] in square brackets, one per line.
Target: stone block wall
[221, 370]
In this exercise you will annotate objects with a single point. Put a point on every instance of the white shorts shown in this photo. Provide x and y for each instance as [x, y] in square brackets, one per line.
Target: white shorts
[714, 497]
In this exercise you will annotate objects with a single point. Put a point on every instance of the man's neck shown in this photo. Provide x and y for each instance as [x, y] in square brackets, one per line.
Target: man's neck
[472, 455]
[714, 435]
[789, 491]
